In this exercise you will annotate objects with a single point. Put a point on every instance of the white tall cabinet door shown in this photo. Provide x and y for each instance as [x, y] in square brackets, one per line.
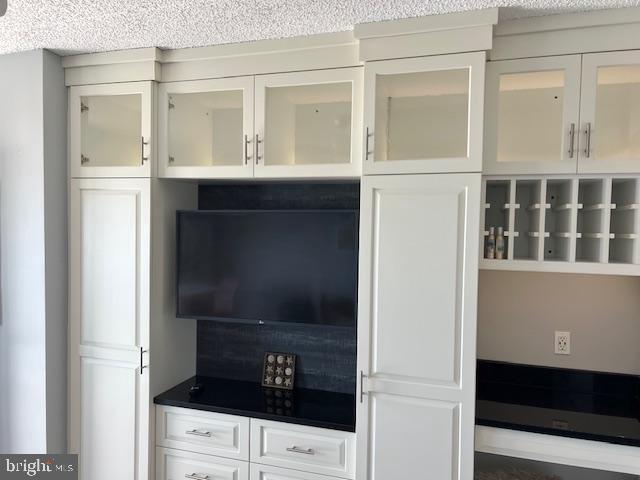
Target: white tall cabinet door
[610, 113]
[111, 130]
[424, 115]
[417, 326]
[206, 128]
[109, 327]
[532, 115]
[309, 124]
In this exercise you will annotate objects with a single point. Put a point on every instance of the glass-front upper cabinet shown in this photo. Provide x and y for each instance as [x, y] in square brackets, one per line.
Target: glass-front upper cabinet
[110, 130]
[206, 128]
[610, 113]
[532, 114]
[424, 115]
[309, 124]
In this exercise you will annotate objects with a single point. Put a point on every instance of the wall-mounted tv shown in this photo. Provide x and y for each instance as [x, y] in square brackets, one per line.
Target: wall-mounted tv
[268, 266]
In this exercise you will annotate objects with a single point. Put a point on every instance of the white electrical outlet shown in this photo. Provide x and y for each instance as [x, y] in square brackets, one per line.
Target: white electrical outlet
[563, 343]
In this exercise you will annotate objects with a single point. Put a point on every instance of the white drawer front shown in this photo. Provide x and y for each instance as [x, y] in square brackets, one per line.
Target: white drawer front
[203, 432]
[179, 465]
[315, 450]
[268, 472]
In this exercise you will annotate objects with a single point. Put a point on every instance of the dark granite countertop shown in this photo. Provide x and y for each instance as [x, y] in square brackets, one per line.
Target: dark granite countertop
[571, 403]
[314, 408]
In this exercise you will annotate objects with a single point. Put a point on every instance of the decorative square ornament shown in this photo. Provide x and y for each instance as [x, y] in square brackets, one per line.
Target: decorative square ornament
[279, 370]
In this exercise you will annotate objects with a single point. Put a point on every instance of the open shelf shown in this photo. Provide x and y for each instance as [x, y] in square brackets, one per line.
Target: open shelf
[497, 208]
[559, 195]
[527, 219]
[592, 234]
[553, 223]
[624, 246]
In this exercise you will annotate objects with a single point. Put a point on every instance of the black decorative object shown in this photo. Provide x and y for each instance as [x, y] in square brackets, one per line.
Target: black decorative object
[279, 370]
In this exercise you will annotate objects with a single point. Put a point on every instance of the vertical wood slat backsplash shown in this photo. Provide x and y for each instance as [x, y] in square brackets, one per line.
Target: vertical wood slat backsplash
[326, 355]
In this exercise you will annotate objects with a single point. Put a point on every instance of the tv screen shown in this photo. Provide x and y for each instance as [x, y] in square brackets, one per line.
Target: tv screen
[268, 266]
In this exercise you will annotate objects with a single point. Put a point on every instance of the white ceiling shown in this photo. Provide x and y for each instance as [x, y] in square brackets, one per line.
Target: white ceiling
[79, 26]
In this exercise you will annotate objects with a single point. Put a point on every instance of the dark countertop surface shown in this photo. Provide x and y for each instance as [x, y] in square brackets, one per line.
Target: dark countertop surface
[314, 408]
[571, 403]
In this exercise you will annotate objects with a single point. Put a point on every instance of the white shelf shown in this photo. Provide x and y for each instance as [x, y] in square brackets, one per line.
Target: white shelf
[556, 449]
[578, 223]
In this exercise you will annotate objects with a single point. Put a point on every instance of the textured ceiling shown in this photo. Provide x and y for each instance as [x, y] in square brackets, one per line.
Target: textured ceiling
[78, 26]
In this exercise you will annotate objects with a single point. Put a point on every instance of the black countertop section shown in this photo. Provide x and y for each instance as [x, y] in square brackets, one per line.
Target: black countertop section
[571, 403]
[314, 408]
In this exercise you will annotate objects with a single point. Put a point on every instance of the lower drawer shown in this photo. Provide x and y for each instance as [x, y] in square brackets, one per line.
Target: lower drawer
[180, 465]
[267, 472]
[309, 449]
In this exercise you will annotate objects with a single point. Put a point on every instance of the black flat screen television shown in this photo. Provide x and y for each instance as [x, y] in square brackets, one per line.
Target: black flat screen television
[267, 266]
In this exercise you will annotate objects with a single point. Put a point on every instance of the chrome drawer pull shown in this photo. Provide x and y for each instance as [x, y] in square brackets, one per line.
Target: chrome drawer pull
[198, 433]
[197, 476]
[306, 451]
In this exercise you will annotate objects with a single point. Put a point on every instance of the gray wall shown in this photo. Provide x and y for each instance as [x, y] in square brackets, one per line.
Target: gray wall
[518, 313]
[32, 254]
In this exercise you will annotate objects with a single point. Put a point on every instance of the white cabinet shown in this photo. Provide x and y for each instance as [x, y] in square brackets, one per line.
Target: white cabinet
[206, 128]
[559, 115]
[417, 326]
[424, 115]
[267, 472]
[309, 449]
[532, 115]
[307, 125]
[111, 130]
[109, 327]
[179, 465]
[202, 432]
[610, 113]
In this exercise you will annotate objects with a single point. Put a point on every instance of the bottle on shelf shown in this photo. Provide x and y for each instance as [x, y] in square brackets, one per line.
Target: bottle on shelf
[490, 251]
[500, 244]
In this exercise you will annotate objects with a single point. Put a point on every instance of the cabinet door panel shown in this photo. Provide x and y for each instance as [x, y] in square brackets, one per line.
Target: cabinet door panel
[414, 438]
[417, 325]
[109, 326]
[610, 113]
[308, 124]
[206, 128]
[531, 119]
[424, 115]
[110, 130]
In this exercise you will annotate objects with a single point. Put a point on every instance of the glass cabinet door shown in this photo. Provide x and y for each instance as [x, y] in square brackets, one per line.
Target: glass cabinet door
[424, 115]
[531, 117]
[309, 124]
[110, 130]
[207, 128]
[610, 113]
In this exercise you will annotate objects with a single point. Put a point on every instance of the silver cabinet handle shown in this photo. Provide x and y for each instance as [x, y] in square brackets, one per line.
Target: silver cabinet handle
[572, 139]
[367, 152]
[246, 149]
[198, 433]
[258, 142]
[587, 132]
[142, 365]
[143, 143]
[197, 476]
[306, 451]
[362, 392]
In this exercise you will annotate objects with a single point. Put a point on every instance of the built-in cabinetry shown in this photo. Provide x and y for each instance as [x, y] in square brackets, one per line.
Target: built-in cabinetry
[111, 130]
[565, 114]
[199, 445]
[583, 223]
[118, 358]
[424, 115]
[300, 124]
[417, 326]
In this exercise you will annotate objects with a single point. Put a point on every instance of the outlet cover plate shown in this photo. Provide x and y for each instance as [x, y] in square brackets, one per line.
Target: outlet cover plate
[562, 343]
